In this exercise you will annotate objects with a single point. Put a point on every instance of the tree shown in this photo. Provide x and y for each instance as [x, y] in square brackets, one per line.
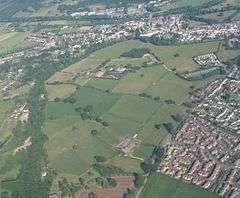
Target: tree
[169, 127]
[104, 123]
[157, 126]
[81, 181]
[57, 99]
[112, 182]
[94, 132]
[92, 195]
[100, 158]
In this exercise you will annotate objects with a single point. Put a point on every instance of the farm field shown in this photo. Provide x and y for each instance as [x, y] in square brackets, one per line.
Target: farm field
[226, 55]
[170, 82]
[13, 41]
[59, 91]
[161, 186]
[182, 3]
[218, 16]
[134, 82]
[119, 104]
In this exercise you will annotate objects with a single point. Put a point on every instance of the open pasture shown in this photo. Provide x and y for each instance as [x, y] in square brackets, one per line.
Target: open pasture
[69, 137]
[178, 57]
[161, 186]
[133, 108]
[218, 16]
[118, 103]
[59, 91]
[183, 3]
[172, 87]
[13, 41]
[139, 81]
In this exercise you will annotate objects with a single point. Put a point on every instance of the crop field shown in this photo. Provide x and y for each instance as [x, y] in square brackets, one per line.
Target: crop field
[161, 186]
[13, 41]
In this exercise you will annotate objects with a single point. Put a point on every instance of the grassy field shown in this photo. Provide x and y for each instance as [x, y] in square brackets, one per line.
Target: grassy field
[183, 62]
[161, 186]
[139, 81]
[59, 91]
[218, 16]
[135, 82]
[12, 41]
[6, 108]
[181, 87]
[183, 3]
[226, 55]
[117, 102]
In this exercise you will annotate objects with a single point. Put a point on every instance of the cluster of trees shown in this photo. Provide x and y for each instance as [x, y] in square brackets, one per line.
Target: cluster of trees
[145, 95]
[88, 113]
[136, 53]
[170, 128]
[159, 40]
[151, 164]
[106, 182]
[67, 189]
[33, 161]
[107, 170]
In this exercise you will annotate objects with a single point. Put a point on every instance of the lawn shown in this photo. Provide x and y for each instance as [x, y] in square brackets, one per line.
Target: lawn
[161, 186]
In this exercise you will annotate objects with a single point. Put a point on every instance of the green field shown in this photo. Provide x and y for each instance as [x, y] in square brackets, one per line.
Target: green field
[161, 186]
[6, 108]
[183, 3]
[13, 41]
[141, 80]
[170, 81]
[118, 103]
[218, 16]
